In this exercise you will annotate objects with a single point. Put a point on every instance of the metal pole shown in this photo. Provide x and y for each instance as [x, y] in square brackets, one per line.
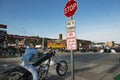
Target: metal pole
[72, 61]
[43, 43]
[72, 65]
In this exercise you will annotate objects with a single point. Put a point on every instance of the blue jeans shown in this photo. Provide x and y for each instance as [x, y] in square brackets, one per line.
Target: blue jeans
[31, 69]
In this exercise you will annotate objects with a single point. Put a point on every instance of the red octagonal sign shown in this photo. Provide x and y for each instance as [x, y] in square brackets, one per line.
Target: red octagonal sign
[70, 8]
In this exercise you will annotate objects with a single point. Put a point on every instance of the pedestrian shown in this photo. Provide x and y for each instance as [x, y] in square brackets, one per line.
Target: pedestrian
[27, 57]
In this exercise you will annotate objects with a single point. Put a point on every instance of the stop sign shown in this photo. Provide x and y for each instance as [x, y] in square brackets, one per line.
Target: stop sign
[70, 8]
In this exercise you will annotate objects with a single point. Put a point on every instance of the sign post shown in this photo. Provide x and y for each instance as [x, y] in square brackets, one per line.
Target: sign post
[69, 10]
[71, 42]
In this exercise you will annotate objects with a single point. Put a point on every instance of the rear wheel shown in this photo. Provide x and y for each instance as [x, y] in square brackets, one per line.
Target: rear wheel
[15, 75]
[62, 68]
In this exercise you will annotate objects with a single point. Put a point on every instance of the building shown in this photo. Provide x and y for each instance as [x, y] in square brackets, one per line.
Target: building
[110, 44]
[3, 40]
[61, 44]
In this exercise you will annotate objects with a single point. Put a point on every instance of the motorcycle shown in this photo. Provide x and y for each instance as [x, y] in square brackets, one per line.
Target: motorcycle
[42, 66]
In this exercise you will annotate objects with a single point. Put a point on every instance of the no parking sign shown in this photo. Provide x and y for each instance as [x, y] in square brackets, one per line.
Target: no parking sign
[71, 35]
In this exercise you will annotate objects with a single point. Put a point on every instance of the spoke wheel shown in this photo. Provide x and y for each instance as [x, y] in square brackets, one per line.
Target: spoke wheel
[62, 68]
[14, 76]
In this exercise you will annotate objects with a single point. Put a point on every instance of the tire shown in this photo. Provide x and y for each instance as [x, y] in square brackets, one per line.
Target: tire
[62, 68]
[15, 74]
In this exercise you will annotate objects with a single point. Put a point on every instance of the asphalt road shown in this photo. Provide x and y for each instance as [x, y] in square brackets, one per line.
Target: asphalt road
[87, 66]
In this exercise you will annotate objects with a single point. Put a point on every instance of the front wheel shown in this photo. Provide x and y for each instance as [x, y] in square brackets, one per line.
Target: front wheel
[62, 68]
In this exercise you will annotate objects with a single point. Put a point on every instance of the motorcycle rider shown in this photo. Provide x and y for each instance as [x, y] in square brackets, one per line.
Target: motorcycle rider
[27, 57]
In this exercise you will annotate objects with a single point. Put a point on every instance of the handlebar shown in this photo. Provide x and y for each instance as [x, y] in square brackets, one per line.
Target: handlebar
[45, 57]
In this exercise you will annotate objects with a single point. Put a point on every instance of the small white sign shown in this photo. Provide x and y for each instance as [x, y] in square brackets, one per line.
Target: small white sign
[70, 23]
[71, 41]
[71, 35]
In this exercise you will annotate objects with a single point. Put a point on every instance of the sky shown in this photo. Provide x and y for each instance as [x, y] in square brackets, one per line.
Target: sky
[96, 20]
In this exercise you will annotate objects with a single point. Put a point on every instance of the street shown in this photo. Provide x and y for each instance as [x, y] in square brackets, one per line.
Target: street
[87, 66]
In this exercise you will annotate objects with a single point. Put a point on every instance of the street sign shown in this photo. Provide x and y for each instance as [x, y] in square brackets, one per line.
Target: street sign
[70, 8]
[71, 41]
[70, 26]
[71, 35]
